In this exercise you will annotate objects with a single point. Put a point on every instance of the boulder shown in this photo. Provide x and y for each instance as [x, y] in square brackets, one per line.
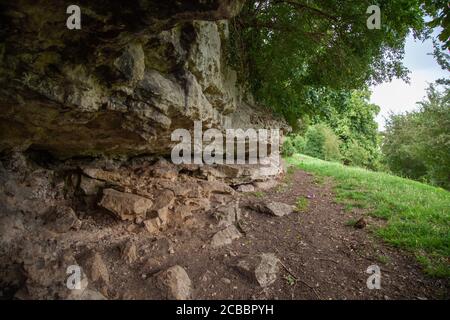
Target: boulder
[274, 208]
[262, 269]
[129, 252]
[96, 269]
[174, 283]
[227, 214]
[125, 206]
[225, 237]
[89, 186]
[153, 225]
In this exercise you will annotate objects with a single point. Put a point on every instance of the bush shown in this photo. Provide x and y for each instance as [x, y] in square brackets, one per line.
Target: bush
[355, 155]
[287, 149]
[322, 143]
[299, 143]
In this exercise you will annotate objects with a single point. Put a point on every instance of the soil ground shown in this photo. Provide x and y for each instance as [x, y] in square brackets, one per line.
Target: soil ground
[322, 256]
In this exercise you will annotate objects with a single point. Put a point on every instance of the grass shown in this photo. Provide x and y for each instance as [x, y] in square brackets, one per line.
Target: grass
[417, 215]
[290, 280]
[301, 204]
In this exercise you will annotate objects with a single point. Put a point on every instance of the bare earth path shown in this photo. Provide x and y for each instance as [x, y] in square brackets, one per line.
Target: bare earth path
[328, 258]
[322, 257]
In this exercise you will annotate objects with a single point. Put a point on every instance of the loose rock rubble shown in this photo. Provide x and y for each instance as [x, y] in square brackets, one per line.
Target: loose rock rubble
[277, 209]
[125, 206]
[109, 219]
[263, 269]
[174, 283]
[225, 236]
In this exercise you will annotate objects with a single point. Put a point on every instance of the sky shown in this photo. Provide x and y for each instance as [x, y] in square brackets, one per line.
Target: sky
[398, 96]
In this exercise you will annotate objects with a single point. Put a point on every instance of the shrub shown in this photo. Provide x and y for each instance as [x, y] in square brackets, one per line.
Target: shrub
[287, 149]
[355, 155]
[299, 143]
[322, 143]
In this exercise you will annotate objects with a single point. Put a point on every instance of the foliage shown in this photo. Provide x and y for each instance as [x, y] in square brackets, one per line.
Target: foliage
[416, 214]
[286, 49]
[417, 144]
[322, 143]
[299, 143]
[356, 155]
[288, 149]
[352, 118]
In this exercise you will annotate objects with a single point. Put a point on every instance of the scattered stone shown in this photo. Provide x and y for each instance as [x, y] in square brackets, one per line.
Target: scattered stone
[183, 212]
[125, 206]
[262, 268]
[129, 252]
[88, 294]
[227, 214]
[226, 280]
[361, 224]
[174, 283]
[153, 225]
[277, 209]
[164, 200]
[96, 269]
[62, 219]
[165, 170]
[138, 220]
[217, 187]
[225, 237]
[90, 186]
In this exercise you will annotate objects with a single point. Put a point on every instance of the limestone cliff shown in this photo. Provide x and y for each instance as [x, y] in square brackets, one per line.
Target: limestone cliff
[119, 86]
[86, 118]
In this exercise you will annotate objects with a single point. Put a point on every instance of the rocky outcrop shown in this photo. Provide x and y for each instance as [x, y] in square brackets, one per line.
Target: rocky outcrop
[85, 133]
[122, 83]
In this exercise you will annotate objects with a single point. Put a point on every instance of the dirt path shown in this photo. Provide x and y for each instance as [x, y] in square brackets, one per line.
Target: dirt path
[328, 258]
[325, 254]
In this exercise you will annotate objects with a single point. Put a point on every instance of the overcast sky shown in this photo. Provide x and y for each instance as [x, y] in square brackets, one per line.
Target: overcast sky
[398, 96]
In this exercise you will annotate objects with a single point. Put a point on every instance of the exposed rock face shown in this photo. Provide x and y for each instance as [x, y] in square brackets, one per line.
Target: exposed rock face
[121, 84]
[86, 118]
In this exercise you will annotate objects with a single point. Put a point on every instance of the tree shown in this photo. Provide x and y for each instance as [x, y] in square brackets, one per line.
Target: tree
[285, 48]
[417, 144]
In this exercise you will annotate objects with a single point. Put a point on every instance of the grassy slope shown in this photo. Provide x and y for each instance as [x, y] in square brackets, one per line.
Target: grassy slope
[418, 215]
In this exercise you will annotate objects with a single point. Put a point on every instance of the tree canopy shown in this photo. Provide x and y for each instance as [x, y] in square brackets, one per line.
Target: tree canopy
[289, 49]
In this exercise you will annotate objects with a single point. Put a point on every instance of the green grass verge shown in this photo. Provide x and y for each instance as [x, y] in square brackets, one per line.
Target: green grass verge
[417, 215]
